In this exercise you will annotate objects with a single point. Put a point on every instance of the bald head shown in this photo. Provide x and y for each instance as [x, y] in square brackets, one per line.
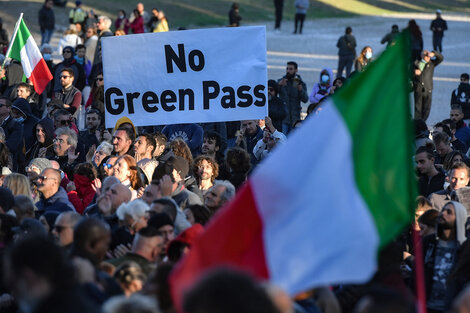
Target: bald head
[119, 194]
[92, 238]
[55, 164]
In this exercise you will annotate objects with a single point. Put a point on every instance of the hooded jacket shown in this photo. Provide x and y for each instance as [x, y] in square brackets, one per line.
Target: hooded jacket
[320, 90]
[461, 95]
[29, 123]
[33, 150]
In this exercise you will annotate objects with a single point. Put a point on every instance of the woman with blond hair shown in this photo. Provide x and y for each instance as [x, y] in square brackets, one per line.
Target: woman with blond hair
[18, 184]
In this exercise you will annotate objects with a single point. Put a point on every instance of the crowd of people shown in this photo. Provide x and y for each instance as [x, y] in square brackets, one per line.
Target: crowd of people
[94, 219]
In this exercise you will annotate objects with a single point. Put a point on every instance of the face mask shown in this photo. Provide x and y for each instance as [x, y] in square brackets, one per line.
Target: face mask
[121, 16]
[270, 97]
[47, 56]
[368, 55]
[325, 78]
[79, 60]
[19, 119]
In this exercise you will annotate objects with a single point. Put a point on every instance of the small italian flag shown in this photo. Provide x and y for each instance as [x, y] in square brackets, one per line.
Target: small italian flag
[319, 209]
[24, 49]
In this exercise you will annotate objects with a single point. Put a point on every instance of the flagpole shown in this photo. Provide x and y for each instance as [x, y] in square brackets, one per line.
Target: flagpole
[419, 272]
[17, 26]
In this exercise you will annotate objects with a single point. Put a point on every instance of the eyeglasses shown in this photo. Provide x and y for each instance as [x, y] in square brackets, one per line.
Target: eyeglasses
[30, 168]
[99, 79]
[270, 89]
[64, 76]
[59, 140]
[67, 51]
[46, 178]
[65, 122]
[107, 165]
[60, 228]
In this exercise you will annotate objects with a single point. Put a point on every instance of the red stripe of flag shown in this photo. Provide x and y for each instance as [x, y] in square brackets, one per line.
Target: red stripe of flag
[40, 76]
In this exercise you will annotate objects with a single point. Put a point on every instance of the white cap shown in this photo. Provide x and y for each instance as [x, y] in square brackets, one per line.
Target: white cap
[438, 11]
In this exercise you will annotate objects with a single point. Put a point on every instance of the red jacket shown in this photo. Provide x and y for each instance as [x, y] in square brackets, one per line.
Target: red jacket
[84, 194]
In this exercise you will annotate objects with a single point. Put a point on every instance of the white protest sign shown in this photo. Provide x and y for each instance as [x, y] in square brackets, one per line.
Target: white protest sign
[192, 76]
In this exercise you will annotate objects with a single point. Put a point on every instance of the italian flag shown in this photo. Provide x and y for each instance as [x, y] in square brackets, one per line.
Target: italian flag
[319, 209]
[24, 49]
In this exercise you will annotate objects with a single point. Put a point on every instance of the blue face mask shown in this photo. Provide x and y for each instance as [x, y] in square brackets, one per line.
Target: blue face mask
[325, 78]
[79, 60]
[19, 119]
[47, 56]
[368, 55]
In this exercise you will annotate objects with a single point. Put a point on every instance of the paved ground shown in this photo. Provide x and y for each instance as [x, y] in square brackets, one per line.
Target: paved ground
[316, 49]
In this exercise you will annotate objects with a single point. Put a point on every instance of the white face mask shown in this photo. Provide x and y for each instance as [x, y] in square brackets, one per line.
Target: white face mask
[47, 56]
[368, 55]
[325, 78]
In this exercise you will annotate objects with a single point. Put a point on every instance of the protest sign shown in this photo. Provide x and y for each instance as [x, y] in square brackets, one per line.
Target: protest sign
[206, 75]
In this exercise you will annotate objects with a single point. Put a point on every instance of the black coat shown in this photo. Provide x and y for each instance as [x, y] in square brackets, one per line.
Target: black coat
[423, 83]
[46, 18]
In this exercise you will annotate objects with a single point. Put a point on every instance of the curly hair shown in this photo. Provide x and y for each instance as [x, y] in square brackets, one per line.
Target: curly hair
[238, 160]
[180, 148]
[135, 180]
[198, 162]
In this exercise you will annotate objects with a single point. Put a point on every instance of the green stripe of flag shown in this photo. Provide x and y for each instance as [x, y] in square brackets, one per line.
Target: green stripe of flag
[20, 40]
[376, 109]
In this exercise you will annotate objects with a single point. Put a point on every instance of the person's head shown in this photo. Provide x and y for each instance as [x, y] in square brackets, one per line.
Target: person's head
[125, 169]
[456, 113]
[140, 8]
[104, 23]
[35, 268]
[133, 215]
[424, 159]
[64, 226]
[49, 4]
[67, 77]
[348, 30]
[459, 176]
[442, 128]
[65, 138]
[102, 151]
[68, 53]
[464, 78]
[91, 239]
[212, 143]
[453, 158]
[180, 168]
[273, 89]
[99, 80]
[197, 214]
[93, 119]
[160, 144]
[395, 28]
[122, 140]
[438, 13]
[425, 56]
[90, 32]
[5, 106]
[220, 290]
[164, 205]
[291, 69]
[23, 207]
[130, 277]
[163, 223]
[205, 168]
[144, 146]
[366, 52]
[238, 160]
[18, 184]
[427, 222]
[62, 118]
[23, 90]
[121, 13]
[180, 148]
[80, 51]
[249, 127]
[36, 166]
[49, 182]
[218, 195]
[108, 165]
[148, 243]
[442, 144]
[118, 194]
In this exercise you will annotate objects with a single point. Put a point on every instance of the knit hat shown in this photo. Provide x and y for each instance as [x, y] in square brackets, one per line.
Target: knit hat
[158, 220]
[273, 84]
[41, 163]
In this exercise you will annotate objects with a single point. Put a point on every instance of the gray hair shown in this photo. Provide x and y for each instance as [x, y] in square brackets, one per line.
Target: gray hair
[136, 304]
[229, 191]
[106, 147]
[135, 209]
[71, 135]
[106, 20]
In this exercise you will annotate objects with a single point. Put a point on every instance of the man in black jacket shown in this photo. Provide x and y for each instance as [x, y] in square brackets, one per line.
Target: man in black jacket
[430, 179]
[277, 108]
[46, 21]
[422, 82]
[461, 95]
[13, 131]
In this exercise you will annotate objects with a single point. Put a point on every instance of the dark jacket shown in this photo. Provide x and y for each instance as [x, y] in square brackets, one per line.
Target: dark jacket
[98, 56]
[13, 134]
[423, 83]
[277, 112]
[427, 186]
[461, 95]
[438, 26]
[57, 202]
[33, 151]
[29, 123]
[292, 97]
[346, 45]
[70, 96]
[46, 18]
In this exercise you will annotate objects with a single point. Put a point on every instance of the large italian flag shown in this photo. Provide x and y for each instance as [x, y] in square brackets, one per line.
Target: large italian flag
[25, 50]
[319, 209]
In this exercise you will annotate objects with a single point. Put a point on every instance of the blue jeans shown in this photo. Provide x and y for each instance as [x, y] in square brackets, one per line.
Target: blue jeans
[46, 35]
